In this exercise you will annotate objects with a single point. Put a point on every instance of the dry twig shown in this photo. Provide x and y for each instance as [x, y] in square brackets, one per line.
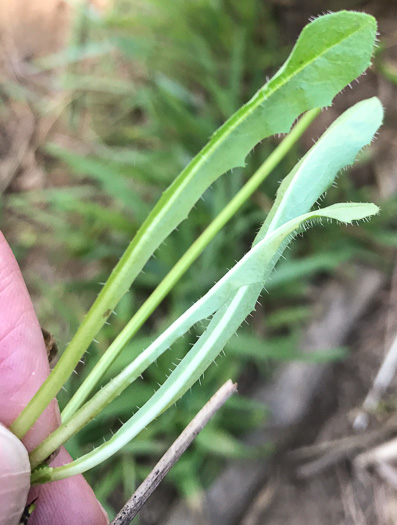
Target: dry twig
[381, 383]
[387, 370]
[149, 485]
[332, 452]
[261, 502]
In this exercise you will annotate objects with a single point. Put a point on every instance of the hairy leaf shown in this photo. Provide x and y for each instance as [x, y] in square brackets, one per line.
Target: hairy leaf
[203, 352]
[331, 52]
[235, 295]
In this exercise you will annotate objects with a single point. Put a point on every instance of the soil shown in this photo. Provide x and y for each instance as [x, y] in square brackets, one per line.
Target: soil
[326, 488]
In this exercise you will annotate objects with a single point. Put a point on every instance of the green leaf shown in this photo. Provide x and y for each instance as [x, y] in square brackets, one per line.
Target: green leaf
[195, 249]
[208, 440]
[313, 175]
[235, 295]
[255, 267]
[280, 348]
[331, 52]
[337, 148]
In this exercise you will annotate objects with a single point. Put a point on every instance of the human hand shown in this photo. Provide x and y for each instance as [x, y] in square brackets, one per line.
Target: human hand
[23, 368]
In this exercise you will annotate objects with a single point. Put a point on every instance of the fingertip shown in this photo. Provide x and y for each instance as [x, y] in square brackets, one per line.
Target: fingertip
[14, 477]
[23, 357]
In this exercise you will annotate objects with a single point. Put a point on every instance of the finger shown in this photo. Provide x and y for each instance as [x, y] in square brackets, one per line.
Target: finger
[67, 501]
[23, 368]
[23, 357]
[14, 477]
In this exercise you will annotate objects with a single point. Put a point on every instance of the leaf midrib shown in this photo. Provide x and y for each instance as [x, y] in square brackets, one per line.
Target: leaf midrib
[248, 108]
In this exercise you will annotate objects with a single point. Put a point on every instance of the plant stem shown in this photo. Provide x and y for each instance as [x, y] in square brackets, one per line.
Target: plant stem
[184, 263]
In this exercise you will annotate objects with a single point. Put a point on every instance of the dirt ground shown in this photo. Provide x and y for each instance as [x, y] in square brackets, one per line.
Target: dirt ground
[338, 476]
[321, 481]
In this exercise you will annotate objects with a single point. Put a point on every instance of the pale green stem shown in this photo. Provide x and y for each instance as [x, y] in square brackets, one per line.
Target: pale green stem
[183, 265]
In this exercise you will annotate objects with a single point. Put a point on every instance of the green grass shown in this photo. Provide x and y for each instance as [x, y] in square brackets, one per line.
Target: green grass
[145, 108]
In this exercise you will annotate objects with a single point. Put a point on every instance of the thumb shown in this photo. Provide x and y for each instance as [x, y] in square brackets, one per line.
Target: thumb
[14, 477]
